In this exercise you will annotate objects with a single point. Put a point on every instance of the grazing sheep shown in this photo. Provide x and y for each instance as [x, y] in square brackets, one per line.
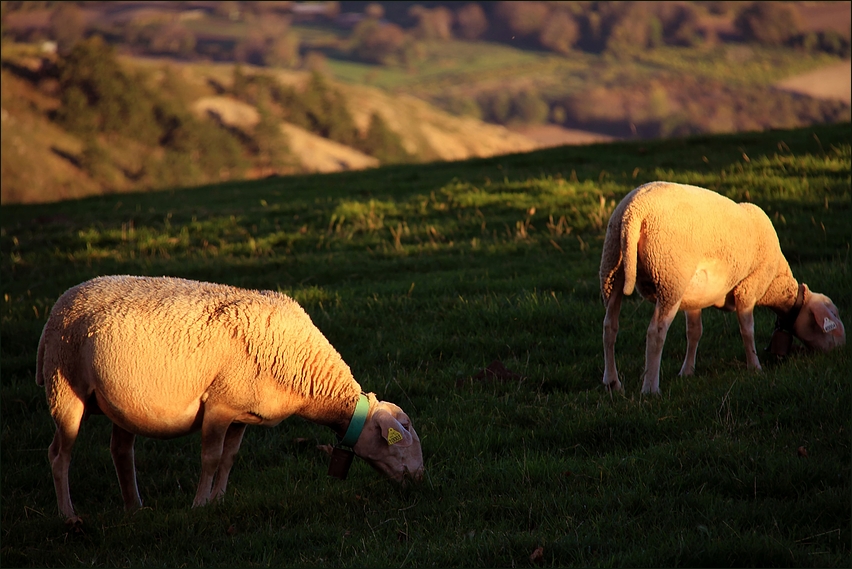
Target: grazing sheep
[164, 357]
[687, 248]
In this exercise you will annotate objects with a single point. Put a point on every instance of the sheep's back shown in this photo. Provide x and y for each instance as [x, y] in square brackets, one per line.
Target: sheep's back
[683, 226]
[160, 343]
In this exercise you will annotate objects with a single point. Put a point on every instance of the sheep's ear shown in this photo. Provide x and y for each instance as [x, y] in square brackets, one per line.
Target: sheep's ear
[826, 321]
[392, 430]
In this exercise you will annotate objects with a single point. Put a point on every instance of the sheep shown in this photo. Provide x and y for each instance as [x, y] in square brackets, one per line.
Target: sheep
[687, 248]
[165, 357]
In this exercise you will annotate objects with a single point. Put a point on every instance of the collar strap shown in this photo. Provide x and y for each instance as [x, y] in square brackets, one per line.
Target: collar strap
[356, 425]
[786, 322]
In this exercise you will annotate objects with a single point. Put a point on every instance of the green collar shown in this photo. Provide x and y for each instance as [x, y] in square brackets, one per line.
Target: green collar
[356, 425]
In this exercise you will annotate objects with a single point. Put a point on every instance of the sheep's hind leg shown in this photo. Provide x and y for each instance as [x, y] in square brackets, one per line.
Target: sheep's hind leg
[233, 438]
[68, 416]
[610, 332]
[656, 338]
[121, 447]
[693, 335]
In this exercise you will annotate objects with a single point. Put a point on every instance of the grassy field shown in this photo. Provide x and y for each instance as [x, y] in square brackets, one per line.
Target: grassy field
[421, 275]
[469, 66]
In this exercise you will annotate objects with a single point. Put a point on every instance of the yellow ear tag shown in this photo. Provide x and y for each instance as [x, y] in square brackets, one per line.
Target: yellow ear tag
[394, 436]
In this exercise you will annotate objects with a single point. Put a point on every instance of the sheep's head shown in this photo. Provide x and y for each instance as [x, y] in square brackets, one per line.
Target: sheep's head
[389, 443]
[818, 325]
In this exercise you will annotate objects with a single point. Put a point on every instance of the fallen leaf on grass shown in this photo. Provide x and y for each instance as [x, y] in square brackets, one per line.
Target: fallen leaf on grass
[495, 371]
[232, 530]
[327, 449]
[537, 556]
[802, 452]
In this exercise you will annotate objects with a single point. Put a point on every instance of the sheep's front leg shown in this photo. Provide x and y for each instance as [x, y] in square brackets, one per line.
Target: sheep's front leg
[213, 431]
[233, 438]
[745, 316]
[693, 335]
[656, 338]
[610, 332]
[121, 447]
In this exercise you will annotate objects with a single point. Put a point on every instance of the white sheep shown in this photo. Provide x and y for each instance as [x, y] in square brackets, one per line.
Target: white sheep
[687, 248]
[164, 357]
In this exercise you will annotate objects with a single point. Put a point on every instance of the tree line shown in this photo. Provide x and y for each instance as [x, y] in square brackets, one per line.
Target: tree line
[389, 32]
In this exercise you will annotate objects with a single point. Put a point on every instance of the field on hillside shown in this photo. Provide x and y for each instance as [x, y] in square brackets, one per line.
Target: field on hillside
[421, 276]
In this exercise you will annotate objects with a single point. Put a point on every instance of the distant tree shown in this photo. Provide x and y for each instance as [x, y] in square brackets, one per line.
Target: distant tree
[272, 146]
[471, 21]
[528, 107]
[252, 49]
[376, 42]
[770, 23]
[436, 23]
[283, 51]
[97, 96]
[320, 109]
[631, 30]
[374, 11]
[383, 143]
[524, 19]
[560, 33]
[239, 82]
[496, 106]
[679, 23]
[67, 26]
[461, 106]
[332, 9]
[173, 39]
[315, 61]
[227, 9]
[94, 159]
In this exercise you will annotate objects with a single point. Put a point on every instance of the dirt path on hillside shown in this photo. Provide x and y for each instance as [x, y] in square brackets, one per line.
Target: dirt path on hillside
[832, 82]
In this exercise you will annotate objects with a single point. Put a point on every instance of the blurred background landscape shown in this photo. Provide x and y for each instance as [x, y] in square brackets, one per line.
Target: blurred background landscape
[106, 97]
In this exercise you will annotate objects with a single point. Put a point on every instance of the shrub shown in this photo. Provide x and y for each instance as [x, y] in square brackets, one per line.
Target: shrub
[96, 95]
[770, 23]
[560, 33]
[98, 98]
[376, 42]
[383, 143]
[432, 24]
[471, 21]
[528, 107]
[67, 26]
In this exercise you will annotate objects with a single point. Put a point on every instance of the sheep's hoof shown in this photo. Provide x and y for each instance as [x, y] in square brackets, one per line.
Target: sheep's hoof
[614, 386]
[74, 525]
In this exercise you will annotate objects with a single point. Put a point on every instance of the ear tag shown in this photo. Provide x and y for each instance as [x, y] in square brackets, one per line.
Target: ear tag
[828, 325]
[394, 436]
[341, 460]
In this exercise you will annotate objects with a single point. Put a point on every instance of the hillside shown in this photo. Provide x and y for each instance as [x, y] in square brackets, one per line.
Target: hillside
[427, 132]
[31, 138]
[466, 292]
[401, 82]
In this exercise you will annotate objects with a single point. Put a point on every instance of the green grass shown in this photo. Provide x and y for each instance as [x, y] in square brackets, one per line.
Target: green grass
[420, 275]
[465, 66]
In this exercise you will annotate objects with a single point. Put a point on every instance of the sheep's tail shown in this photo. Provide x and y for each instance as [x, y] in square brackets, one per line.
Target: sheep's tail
[631, 229]
[40, 361]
